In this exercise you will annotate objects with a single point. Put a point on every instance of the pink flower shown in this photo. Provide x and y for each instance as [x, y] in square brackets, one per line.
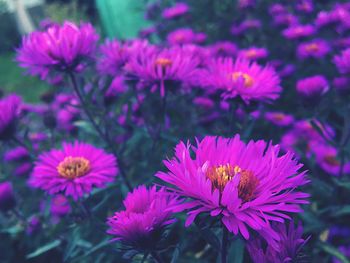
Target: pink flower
[73, 170]
[317, 48]
[279, 118]
[177, 10]
[342, 61]
[248, 185]
[312, 87]
[299, 31]
[253, 53]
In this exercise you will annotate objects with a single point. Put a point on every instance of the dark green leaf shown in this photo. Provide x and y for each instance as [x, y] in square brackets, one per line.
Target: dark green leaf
[45, 248]
[236, 251]
[334, 252]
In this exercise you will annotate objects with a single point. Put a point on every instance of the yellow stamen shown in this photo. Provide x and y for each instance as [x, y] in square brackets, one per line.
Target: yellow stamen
[73, 167]
[312, 47]
[331, 160]
[248, 80]
[163, 62]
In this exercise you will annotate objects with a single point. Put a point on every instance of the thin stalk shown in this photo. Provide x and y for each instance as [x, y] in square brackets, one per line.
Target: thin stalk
[103, 135]
[224, 245]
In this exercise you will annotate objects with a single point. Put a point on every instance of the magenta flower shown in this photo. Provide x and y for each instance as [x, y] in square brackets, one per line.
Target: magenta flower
[342, 61]
[248, 185]
[177, 10]
[245, 25]
[59, 206]
[279, 118]
[160, 67]
[58, 48]
[325, 18]
[253, 53]
[277, 9]
[317, 48]
[285, 19]
[299, 31]
[312, 87]
[327, 158]
[16, 154]
[7, 198]
[342, 85]
[289, 246]
[142, 223]
[23, 169]
[305, 6]
[10, 109]
[224, 48]
[73, 170]
[181, 36]
[242, 78]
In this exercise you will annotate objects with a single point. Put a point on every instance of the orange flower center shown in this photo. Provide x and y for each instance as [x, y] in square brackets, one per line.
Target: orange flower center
[222, 174]
[163, 62]
[248, 80]
[73, 167]
[279, 116]
[251, 53]
[312, 47]
[331, 160]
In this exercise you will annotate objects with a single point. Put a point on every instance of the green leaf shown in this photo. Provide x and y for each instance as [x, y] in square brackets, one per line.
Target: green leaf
[334, 252]
[236, 251]
[44, 249]
[175, 255]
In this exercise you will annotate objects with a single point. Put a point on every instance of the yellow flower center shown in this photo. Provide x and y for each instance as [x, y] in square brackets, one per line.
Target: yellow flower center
[163, 62]
[331, 160]
[73, 167]
[312, 47]
[248, 80]
[279, 116]
[222, 174]
[251, 53]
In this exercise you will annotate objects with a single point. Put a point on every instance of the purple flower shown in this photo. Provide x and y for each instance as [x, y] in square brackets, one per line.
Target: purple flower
[73, 170]
[285, 19]
[289, 248]
[33, 225]
[245, 25]
[299, 31]
[10, 108]
[181, 36]
[253, 53]
[312, 87]
[224, 48]
[241, 78]
[279, 118]
[159, 67]
[58, 48]
[342, 85]
[345, 250]
[7, 198]
[342, 61]
[317, 48]
[147, 212]
[179, 9]
[243, 4]
[59, 206]
[305, 6]
[276, 9]
[23, 169]
[16, 154]
[248, 185]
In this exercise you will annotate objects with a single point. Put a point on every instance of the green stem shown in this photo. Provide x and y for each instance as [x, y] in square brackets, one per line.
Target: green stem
[224, 245]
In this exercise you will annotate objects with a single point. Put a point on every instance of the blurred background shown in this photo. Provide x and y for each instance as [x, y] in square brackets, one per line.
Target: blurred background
[120, 19]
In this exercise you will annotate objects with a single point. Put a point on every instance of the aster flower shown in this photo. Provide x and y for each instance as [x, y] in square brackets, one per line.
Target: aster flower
[317, 48]
[16, 154]
[327, 158]
[179, 9]
[10, 108]
[34, 225]
[73, 170]
[7, 198]
[242, 78]
[243, 4]
[279, 118]
[305, 6]
[58, 48]
[312, 87]
[253, 53]
[116, 88]
[289, 246]
[245, 25]
[59, 206]
[299, 31]
[325, 18]
[147, 213]
[285, 19]
[276, 9]
[248, 185]
[224, 48]
[159, 67]
[181, 36]
[341, 85]
[342, 61]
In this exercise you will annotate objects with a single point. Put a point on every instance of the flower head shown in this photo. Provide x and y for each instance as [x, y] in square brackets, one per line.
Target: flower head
[279, 118]
[181, 36]
[253, 53]
[342, 61]
[299, 31]
[179, 9]
[10, 108]
[289, 246]
[224, 48]
[249, 185]
[16, 154]
[7, 198]
[242, 78]
[73, 170]
[58, 48]
[312, 87]
[175, 64]
[142, 223]
[317, 48]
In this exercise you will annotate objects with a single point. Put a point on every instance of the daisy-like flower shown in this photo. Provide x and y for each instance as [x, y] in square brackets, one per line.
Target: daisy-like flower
[305, 6]
[73, 170]
[279, 118]
[299, 31]
[181, 36]
[253, 53]
[247, 185]
[7, 197]
[317, 48]
[147, 213]
[179, 9]
[242, 78]
[159, 67]
[342, 61]
[10, 109]
[312, 87]
[16, 154]
[289, 246]
[224, 48]
[342, 85]
[58, 48]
